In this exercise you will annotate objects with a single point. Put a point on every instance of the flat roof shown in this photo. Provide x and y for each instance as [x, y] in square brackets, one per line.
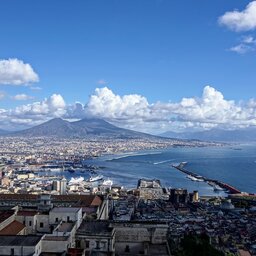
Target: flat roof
[65, 227]
[95, 227]
[65, 209]
[55, 238]
[11, 240]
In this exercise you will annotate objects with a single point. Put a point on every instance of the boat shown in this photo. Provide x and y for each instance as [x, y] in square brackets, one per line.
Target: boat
[74, 181]
[194, 178]
[217, 188]
[71, 170]
[95, 178]
[107, 182]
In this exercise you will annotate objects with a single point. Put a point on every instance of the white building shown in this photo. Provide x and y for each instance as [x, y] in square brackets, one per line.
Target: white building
[20, 245]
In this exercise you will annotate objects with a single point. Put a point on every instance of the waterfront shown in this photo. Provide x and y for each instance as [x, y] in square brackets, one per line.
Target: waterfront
[234, 165]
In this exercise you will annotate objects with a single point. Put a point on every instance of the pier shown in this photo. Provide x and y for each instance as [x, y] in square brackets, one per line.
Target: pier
[227, 187]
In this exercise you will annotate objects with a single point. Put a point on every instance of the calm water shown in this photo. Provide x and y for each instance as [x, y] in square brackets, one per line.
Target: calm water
[234, 165]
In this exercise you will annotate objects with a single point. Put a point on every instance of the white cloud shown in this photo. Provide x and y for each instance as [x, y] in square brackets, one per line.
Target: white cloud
[211, 110]
[34, 113]
[248, 44]
[242, 48]
[106, 104]
[22, 96]
[248, 40]
[135, 112]
[240, 20]
[16, 72]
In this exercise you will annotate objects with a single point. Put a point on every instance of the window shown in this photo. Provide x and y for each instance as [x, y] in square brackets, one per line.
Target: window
[78, 243]
[12, 251]
[87, 244]
[127, 248]
[41, 224]
[57, 220]
[68, 219]
[30, 223]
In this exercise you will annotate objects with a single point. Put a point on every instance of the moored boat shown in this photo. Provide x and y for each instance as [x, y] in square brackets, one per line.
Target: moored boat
[95, 178]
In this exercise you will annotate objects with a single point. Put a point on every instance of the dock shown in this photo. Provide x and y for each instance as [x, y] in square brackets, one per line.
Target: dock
[225, 186]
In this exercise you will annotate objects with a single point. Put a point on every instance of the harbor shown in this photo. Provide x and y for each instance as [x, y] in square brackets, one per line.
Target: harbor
[218, 185]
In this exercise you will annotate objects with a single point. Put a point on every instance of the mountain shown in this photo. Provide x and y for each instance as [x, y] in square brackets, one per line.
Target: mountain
[2, 132]
[87, 127]
[239, 135]
[55, 127]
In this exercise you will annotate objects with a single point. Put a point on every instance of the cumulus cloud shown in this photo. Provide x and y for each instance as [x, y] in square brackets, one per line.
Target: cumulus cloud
[244, 20]
[22, 96]
[34, 113]
[105, 103]
[16, 72]
[135, 112]
[210, 110]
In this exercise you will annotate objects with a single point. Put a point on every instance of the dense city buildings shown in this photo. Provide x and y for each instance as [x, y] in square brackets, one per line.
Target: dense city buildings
[50, 215]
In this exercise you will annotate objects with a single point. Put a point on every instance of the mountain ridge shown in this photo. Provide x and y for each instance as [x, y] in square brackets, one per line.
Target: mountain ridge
[86, 127]
[221, 135]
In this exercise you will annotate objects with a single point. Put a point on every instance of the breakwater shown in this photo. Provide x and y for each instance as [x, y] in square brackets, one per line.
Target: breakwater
[213, 182]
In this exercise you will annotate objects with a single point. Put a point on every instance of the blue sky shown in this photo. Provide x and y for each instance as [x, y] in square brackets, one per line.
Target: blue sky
[163, 50]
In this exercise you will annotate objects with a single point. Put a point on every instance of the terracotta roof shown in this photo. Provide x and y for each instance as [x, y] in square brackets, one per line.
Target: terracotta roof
[79, 200]
[26, 213]
[244, 253]
[85, 200]
[13, 228]
[5, 215]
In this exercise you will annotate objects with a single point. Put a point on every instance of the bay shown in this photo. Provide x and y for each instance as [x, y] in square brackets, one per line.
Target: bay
[235, 165]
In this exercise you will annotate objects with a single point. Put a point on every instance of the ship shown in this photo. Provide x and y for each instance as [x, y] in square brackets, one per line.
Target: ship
[71, 170]
[217, 188]
[194, 178]
[107, 182]
[95, 178]
[76, 181]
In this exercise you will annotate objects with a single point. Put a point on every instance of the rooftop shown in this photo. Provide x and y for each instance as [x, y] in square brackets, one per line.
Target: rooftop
[145, 183]
[12, 240]
[65, 209]
[78, 200]
[13, 228]
[65, 227]
[26, 213]
[5, 215]
[95, 227]
[55, 238]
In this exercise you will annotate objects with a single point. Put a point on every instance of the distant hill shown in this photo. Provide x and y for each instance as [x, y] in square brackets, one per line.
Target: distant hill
[2, 132]
[58, 127]
[239, 135]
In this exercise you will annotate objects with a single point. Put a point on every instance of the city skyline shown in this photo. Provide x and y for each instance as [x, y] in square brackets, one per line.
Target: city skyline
[151, 66]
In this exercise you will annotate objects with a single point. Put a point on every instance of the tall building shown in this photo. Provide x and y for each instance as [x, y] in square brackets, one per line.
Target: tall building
[56, 185]
[150, 189]
[63, 186]
[179, 195]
